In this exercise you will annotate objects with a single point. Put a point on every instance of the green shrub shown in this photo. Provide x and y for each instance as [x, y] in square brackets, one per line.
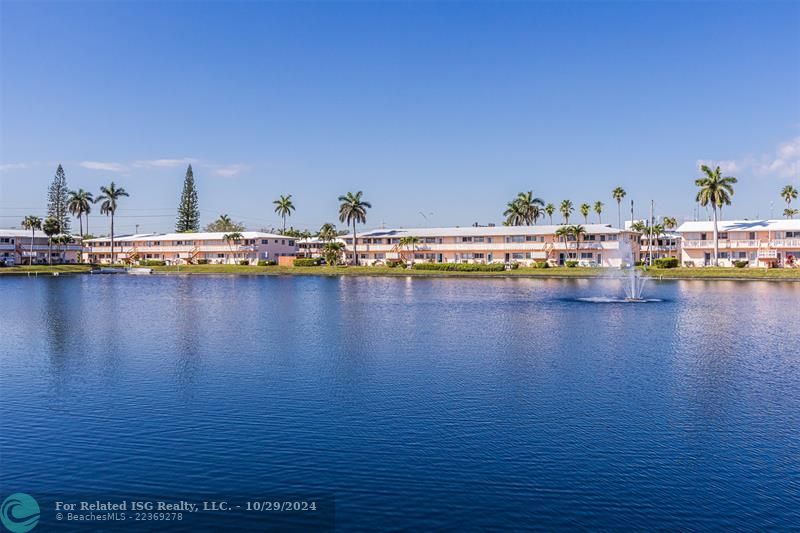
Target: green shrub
[571, 263]
[202, 261]
[740, 264]
[461, 267]
[263, 263]
[152, 263]
[666, 262]
[514, 265]
[541, 264]
[395, 263]
[244, 262]
[306, 262]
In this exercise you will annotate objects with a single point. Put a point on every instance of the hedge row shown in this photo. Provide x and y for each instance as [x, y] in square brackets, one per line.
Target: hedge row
[666, 262]
[461, 267]
[306, 262]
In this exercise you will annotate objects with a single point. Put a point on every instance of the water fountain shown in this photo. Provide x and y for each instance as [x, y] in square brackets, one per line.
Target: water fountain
[631, 279]
[632, 282]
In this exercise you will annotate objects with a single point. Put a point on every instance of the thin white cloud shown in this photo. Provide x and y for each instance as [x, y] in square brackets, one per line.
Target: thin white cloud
[165, 163]
[783, 163]
[13, 166]
[104, 165]
[229, 171]
[726, 166]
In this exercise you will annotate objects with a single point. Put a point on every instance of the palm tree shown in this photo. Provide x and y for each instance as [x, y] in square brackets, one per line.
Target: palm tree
[50, 227]
[80, 203]
[514, 213]
[618, 194]
[32, 223]
[529, 206]
[327, 232]
[585, 209]
[790, 213]
[410, 243]
[562, 232]
[577, 231]
[788, 194]
[332, 251]
[566, 210]
[550, 209]
[231, 238]
[353, 209]
[108, 206]
[669, 223]
[284, 208]
[715, 189]
[598, 208]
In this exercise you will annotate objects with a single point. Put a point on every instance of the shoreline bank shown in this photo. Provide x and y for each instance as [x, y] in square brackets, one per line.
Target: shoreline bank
[710, 274]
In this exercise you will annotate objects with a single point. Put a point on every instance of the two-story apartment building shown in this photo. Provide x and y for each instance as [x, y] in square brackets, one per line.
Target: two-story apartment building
[601, 245]
[764, 243]
[185, 248]
[15, 248]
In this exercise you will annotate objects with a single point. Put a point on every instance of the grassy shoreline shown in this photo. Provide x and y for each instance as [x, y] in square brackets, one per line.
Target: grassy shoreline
[562, 272]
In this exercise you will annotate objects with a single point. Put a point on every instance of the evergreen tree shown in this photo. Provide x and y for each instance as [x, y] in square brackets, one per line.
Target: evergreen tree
[58, 201]
[188, 212]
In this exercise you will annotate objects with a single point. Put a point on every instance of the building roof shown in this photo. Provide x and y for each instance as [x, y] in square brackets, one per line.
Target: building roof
[740, 225]
[200, 236]
[38, 234]
[469, 231]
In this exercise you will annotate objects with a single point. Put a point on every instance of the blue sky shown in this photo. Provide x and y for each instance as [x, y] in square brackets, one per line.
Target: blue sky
[448, 109]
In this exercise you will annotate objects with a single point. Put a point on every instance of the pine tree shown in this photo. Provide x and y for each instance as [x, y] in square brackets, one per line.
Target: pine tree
[188, 212]
[58, 200]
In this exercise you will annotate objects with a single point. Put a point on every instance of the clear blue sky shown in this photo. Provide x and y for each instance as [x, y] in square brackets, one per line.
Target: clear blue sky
[444, 108]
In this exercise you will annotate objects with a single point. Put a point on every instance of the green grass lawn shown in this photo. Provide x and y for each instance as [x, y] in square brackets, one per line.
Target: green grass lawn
[560, 272]
[45, 269]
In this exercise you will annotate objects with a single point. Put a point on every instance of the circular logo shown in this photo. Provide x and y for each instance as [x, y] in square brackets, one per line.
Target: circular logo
[19, 513]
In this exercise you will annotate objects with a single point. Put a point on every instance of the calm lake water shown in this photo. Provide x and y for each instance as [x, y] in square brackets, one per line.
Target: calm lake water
[411, 403]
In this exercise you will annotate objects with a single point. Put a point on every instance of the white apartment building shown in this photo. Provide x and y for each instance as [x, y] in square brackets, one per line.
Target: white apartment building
[16, 249]
[600, 245]
[762, 243]
[186, 248]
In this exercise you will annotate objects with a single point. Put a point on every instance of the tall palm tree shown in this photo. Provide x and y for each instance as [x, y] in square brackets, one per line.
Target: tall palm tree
[715, 189]
[514, 213]
[788, 194]
[566, 210]
[790, 213]
[80, 203]
[353, 209]
[585, 209]
[32, 223]
[598, 208]
[108, 206]
[618, 194]
[50, 227]
[669, 222]
[550, 209]
[327, 232]
[284, 208]
[410, 243]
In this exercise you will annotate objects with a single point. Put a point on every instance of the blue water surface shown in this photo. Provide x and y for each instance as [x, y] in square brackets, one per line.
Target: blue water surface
[415, 403]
